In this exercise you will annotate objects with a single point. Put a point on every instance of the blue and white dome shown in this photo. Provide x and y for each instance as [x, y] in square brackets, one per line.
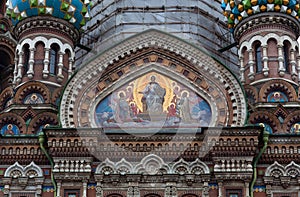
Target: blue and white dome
[74, 11]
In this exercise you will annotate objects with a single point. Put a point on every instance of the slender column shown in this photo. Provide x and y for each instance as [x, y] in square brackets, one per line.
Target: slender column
[46, 63]
[99, 191]
[293, 65]
[30, 71]
[220, 186]
[205, 191]
[58, 189]
[251, 63]
[242, 69]
[298, 68]
[60, 66]
[247, 189]
[281, 68]
[70, 71]
[84, 184]
[265, 61]
[20, 65]
[15, 70]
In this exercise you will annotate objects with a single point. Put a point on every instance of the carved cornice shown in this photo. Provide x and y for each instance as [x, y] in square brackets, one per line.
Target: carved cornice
[45, 25]
[269, 20]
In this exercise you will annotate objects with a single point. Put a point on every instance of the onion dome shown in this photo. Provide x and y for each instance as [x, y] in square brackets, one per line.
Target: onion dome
[237, 10]
[74, 11]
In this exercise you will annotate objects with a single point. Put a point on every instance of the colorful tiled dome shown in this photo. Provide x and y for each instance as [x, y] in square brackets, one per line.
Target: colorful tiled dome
[237, 10]
[74, 11]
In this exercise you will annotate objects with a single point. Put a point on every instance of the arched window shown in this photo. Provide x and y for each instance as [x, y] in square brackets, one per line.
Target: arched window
[26, 58]
[286, 57]
[53, 59]
[258, 58]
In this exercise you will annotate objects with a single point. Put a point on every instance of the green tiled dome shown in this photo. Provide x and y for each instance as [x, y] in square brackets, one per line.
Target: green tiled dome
[74, 11]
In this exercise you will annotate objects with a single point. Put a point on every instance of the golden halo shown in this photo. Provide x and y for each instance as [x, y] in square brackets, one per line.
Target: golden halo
[129, 87]
[176, 86]
[121, 91]
[187, 93]
[33, 96]
[9, 126]
[276, 94]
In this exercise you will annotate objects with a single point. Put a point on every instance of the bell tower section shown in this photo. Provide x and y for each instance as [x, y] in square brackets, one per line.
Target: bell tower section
[267, 33]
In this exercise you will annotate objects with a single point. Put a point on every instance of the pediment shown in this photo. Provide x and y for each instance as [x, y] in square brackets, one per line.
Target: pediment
[173, 62]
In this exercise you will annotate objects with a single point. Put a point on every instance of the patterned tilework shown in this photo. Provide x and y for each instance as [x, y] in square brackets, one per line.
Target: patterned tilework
[74, 11]
[48, 189]
[237, 10]
[92, 185]
[259, 188]
[213, 186]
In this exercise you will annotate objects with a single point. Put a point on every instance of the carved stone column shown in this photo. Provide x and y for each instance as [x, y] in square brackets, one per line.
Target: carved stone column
[281, 68]
[171, 191]
[30, 71]
[84, 190]
[251, 64]
[46, 63]
[99, 190]
[265, 61]
[58, 189]
[220, 186]
[133, 192]
[205, 191]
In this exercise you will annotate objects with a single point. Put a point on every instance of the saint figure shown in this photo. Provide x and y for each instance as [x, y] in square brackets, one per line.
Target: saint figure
[184, 108]
[153, 96]
[122, 110]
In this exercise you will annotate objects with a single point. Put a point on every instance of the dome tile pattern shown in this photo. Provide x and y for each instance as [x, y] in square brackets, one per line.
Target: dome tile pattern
[74, 11]
[237, 10]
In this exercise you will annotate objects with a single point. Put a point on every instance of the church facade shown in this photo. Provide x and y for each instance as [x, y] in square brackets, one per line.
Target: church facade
[151, 98]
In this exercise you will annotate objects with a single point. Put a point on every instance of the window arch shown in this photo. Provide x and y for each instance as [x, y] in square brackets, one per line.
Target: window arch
[26, 58]
[258, 57]
[286, 56]
[53, 59]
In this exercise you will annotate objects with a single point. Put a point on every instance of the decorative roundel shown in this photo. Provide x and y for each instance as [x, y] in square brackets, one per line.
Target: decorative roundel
[74, 11]
[237, 10]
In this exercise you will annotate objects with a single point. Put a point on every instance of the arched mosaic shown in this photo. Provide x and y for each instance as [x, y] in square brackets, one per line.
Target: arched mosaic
[10, 129]
[209, 86]
[150, 100]
[277, 96]
[34, 98]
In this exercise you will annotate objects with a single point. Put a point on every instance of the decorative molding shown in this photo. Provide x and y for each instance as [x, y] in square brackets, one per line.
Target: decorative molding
[152, 165]
[93, 69]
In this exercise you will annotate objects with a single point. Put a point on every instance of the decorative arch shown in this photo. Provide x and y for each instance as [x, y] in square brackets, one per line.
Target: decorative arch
[5, 97]
[106, 167]
[32, 87]
[114, 195]
[12, 118]
[40, 120]
[158, 71]
[16, 170]
[290, 120]
[56, 96]
[277, 85]
[251, 93]
[264, 40]
[152, 195]
[150, 164]
[180, 167]
[47, 42]
[124, 167]
[275, 170]
[189, 195]
[214, 77]
[265, 117]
